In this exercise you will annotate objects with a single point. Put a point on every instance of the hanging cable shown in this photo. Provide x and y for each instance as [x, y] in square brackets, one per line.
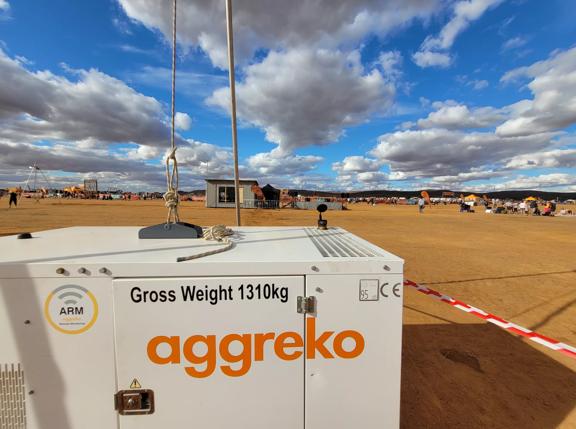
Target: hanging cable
[171, 197]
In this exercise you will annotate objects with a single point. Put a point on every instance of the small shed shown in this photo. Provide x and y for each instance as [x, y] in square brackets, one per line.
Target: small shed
[220, 193]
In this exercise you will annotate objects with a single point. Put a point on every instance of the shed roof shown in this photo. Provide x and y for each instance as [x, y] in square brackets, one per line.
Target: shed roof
[244, 181]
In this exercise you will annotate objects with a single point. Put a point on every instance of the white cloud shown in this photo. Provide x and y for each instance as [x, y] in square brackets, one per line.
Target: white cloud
[432, 59]
[391, 63]
[4, 5]
[514, 43]
[553, 86]
[440, 152]
[373, 177]
[277, 164]
[553, 180]
[432, 52]
[465, 12]
[356, 164]
[358, 172]
[451, 115]
[260, 24]
[44, 106]
[460, 178]
[204, 159]
[549, 159]
[307, 97]
[479, 84]
[84, 120]
[182, 121]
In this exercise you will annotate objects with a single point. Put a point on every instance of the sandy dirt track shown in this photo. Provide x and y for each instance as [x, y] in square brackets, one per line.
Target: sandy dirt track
[457, 370]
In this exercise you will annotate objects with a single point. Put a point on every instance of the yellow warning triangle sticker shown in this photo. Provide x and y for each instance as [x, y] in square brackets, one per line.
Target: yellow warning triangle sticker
[135, 384]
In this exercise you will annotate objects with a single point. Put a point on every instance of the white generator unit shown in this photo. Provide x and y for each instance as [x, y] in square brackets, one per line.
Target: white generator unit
[293, 327]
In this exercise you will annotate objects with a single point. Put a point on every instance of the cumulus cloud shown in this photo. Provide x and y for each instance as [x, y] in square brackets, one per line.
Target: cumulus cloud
[75, 126]
[182, 121]
[457, 179]
[557, 158]
[307, 97]
[307, 84]
[356, 164]
[64, 157]
[260, 24]
[543, 181]
[276, 163]
[372, 177]
[452, 115]
[439, 152]
[4, 5]
[41, 105]
[360, 172]
[553, 85]
[204, 159]
[432, 52]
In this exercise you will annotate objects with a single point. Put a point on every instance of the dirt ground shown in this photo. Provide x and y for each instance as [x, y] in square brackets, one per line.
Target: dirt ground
[457, 370]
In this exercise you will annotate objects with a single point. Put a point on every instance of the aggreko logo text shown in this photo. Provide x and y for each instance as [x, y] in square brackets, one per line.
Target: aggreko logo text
[287, 346]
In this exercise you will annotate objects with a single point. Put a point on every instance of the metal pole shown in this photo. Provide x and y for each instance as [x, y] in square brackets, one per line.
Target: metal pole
[233, 106]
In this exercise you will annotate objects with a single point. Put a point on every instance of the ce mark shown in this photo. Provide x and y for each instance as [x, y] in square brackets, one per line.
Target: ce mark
[395, 290]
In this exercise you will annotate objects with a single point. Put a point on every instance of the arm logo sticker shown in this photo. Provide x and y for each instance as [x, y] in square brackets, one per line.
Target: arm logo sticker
[71, 309]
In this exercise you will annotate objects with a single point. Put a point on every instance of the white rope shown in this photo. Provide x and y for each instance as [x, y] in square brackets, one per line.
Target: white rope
[171, 197]
[217, 233]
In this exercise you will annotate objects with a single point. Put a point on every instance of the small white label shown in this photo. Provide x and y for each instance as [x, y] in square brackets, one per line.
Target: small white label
[369, 290]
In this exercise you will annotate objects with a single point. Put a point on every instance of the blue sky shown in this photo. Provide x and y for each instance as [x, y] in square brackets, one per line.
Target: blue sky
[332, 94]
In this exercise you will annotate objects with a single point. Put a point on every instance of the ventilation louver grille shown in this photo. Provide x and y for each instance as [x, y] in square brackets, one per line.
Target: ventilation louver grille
[12, 397]
[338, 244]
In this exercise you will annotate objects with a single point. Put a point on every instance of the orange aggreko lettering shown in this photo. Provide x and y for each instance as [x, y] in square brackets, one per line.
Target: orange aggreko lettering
[282, 343]
[358, 344]
[313, 343]
[245, 356]
[259, 343]
[152, 350]
[209, 358]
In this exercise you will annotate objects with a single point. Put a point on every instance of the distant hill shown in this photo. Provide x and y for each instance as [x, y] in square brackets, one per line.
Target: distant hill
[436, 193]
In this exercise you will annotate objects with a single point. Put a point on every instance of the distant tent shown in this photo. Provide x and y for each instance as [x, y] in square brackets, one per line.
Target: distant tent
[471, 197]
[531, 199]
[271, 193]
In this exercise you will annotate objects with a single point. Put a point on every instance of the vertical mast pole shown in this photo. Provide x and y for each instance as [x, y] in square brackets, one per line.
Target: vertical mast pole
[232, 79]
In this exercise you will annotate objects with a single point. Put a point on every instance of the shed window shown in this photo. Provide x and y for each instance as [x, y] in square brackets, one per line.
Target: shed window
[226, 194]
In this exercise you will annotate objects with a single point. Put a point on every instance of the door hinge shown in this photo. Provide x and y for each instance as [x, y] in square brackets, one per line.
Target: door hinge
[306, 304]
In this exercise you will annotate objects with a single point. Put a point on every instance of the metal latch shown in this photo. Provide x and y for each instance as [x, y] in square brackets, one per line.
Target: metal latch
[306, 304]
[134, 402]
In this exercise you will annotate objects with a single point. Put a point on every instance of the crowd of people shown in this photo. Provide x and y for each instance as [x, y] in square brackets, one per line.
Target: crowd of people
[526, 207]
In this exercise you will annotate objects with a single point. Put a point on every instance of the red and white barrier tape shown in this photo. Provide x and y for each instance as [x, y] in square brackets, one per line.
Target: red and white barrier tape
[498, 321]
